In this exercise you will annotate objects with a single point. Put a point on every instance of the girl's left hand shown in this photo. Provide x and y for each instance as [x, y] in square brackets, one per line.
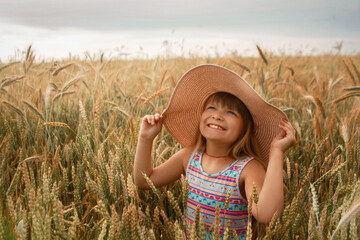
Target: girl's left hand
[286, 138]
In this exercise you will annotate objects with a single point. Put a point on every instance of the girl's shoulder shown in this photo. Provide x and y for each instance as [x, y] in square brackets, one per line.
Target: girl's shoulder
[254, 171]
[185, 154]
[252, 168]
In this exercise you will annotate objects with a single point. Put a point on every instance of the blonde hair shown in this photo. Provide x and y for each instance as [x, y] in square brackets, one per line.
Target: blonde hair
[246, 144]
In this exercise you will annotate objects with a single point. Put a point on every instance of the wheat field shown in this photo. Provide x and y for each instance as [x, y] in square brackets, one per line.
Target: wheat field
[68, 131]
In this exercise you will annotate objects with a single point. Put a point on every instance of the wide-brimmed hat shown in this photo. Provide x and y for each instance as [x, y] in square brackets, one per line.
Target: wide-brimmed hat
[182, 116]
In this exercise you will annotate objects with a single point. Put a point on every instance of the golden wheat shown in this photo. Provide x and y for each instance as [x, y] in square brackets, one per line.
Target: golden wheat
[79, 186]
[154, 95]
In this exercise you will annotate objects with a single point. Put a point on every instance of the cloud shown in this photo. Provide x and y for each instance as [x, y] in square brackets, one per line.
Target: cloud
[120, 14]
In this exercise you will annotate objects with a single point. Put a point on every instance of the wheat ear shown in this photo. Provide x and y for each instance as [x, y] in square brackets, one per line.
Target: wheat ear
[58, 124]
[154, 95]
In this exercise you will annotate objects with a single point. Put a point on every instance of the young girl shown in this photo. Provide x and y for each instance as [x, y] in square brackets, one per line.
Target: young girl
[232, 140]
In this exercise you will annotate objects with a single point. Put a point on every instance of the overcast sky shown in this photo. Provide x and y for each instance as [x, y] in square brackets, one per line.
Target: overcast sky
[55, 28]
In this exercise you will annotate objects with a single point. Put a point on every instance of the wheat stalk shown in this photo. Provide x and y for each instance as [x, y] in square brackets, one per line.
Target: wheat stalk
[60, 95]
[315, 204]
[151, 184]
[241, 66]
[34, 109]
[123, 112]
[59, 124]
[216, 224]
[288, 168]
[154, 95]
[7, 82]
[203, 229]
[329, 173]
[178, 231]
[15, 109]
[174, 204]
[193, 235]
[56, 72]
[84, 118]
[262, 55]
[8, 65]
[168, 225]
[349, 215]
[184, 191]
[70, 82]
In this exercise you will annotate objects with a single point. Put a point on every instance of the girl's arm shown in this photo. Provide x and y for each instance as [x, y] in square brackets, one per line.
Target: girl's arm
[167, 172]
[270, 184]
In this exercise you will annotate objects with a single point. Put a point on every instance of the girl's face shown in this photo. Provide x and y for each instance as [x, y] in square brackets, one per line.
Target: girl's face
[220, 123]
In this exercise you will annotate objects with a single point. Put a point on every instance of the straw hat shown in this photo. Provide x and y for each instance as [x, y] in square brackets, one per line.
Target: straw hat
[182, 116]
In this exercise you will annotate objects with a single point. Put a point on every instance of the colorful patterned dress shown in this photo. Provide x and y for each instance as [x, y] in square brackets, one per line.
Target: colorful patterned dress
[210, 190]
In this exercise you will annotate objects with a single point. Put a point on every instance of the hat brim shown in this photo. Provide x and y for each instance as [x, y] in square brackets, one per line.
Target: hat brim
[182, 116]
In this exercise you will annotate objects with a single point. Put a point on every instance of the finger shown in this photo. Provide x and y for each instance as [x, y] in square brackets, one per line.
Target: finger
[154, 120]
[291, 129]
[291, 137]
[146, 119]
[287, 125]
[286, 128]
[286, 122]
[151, 119]
[287, 132]
[282, 134]
[157, 116]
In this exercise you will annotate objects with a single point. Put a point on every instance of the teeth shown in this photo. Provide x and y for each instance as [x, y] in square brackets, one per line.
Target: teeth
[215, 126]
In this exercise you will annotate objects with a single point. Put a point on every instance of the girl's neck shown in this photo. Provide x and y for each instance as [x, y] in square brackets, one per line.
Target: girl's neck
[213, 156]
[216, 150]
[216, 159]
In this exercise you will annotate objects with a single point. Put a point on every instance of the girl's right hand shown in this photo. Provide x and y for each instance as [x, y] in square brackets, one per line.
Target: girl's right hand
[151, 126]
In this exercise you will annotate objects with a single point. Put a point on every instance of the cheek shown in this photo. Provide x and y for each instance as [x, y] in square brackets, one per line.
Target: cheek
[202, 127]
[239, 129]
[203, 119]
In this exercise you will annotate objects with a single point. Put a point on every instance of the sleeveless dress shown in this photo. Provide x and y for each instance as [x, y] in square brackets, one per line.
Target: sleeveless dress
[210, 190]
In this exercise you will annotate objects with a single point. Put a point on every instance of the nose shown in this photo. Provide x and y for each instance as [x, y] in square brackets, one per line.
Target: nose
[217, 116]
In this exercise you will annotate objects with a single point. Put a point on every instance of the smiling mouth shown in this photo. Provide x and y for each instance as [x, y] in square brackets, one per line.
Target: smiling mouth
[216, 127]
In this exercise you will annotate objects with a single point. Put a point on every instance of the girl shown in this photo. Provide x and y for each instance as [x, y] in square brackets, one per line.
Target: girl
[232, 140]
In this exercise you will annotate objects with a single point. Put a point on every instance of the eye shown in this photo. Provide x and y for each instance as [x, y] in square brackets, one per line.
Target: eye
[232, 113]
[211, 107]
